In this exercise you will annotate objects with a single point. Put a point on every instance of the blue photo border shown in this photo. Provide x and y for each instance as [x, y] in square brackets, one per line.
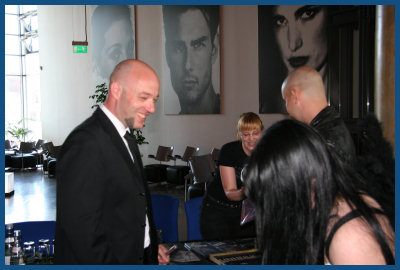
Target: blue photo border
[216, 2]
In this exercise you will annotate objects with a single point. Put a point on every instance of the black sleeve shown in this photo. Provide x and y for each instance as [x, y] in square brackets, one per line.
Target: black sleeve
[231, 155]
[226, 156]
[81, 186]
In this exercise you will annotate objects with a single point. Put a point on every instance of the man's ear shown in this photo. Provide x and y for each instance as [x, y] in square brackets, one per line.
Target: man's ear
[115, 90]
[296, 95]
[215, 47]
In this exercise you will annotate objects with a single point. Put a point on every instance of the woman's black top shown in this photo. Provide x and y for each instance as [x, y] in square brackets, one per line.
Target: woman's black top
[230, 155]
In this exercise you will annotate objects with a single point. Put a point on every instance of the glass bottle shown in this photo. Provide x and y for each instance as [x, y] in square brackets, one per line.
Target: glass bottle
[17, 255]
[9, 242]
[29, 252]
[53, 250]
[44, 250]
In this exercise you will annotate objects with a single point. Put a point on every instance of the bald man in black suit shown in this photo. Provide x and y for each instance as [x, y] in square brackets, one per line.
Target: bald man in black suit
[104, 213]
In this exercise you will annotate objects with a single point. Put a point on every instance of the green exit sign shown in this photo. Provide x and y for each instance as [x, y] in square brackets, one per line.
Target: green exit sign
[80, 49]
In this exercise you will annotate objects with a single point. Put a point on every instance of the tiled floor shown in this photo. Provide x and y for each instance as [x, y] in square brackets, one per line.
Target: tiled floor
[35, 199]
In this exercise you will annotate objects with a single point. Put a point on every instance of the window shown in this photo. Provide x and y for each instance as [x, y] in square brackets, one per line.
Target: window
[22, 72]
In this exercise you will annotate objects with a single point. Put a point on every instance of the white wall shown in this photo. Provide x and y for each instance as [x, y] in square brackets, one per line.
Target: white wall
[66, 78]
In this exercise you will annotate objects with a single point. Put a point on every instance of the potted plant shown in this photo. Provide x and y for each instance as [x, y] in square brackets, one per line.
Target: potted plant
[18, 131]
[100, 95]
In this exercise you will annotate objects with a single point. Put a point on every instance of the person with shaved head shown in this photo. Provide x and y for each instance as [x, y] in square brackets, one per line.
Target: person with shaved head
[304, 93]
[104, 213]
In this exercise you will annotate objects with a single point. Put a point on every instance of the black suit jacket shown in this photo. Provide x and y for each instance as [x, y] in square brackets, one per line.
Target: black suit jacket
[102, 199]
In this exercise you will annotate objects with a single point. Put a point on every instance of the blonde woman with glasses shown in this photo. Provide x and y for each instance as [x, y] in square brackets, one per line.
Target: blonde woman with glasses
[222, 204]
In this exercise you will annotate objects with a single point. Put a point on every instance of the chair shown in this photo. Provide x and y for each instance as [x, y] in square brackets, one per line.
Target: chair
[25, 157]
[54, 151]
[192, 209]
[38, 151]
[214, 154]
[36, 230]
[46, 151]
[165, 213]
[202, 170]
[7, 145]
[8, 162]
[9, 152]
[46, 147]
[158, 172]
[26, 147]
[176, 174]
[51, 153]
[39, 144]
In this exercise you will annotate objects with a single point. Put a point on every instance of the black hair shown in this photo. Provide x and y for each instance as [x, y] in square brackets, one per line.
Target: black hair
[102, 18]
[171, 16]
[294, 179]
[376, 163]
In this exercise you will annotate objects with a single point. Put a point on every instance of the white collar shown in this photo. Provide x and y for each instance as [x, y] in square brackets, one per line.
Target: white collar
[116, 122]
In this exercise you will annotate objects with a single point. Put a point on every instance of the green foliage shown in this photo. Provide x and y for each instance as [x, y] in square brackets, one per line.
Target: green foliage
[139, 137]
[100, 95]
[18, 131]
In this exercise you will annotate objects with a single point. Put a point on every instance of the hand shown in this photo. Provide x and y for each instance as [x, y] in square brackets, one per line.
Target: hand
[163, 256]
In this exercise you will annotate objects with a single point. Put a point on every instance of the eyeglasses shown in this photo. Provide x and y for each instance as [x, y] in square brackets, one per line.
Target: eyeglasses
[247, 134]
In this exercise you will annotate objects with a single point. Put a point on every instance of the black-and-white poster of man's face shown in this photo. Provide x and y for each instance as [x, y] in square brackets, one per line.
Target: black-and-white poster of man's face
[191, 51]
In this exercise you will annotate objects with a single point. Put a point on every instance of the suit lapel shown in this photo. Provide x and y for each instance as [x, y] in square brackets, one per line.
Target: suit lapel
[120, 145]
[137, 169]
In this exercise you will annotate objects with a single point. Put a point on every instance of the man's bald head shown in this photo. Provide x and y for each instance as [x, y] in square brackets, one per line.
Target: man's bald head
[126, 68]
[305, 79]
[304, 87]
[133, 92]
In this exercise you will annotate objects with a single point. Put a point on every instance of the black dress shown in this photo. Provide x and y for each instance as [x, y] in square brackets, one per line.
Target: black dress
[219, 216]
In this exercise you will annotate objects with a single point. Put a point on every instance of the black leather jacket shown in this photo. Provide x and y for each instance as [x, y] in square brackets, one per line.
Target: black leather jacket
[333, 129]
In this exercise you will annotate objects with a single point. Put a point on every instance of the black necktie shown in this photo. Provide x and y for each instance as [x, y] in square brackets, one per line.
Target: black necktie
[134, 150]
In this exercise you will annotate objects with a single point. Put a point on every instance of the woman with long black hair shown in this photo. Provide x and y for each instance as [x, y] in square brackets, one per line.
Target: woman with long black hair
[312, 208]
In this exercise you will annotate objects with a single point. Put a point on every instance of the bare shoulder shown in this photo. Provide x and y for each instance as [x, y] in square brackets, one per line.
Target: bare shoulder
[355, 242]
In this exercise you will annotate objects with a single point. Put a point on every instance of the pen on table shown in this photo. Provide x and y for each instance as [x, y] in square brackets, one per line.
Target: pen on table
[171, 249]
